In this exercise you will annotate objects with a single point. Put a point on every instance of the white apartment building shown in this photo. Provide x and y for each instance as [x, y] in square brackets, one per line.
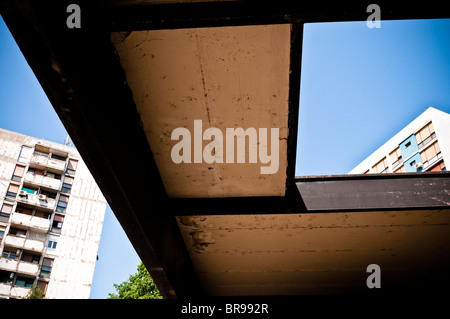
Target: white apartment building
[51, 219]
[423, 145]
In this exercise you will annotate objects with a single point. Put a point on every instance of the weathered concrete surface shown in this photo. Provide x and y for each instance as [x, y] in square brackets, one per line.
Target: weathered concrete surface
[227, 77]
[315, 253]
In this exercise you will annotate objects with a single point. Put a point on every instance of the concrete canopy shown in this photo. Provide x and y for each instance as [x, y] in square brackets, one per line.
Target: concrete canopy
[227, 77]
[135, 71]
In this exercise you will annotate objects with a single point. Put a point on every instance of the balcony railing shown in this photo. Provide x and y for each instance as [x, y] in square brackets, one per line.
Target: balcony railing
[46, 161]
[397, 162]
[28, 268]
[42, 180]
[37, 200]
[13, 291]
[427, 140]
[24, 243]
[37, 223]
[19, 292]
[5, 289]
[432, 161]
[19, 266]
[8, 264]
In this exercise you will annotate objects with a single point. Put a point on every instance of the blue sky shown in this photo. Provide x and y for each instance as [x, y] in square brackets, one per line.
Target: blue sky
[359, 87]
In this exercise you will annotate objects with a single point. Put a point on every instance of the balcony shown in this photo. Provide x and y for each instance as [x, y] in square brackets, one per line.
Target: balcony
[36, 223]
[6, 290]
[8, 264]
[42, 181]
[18, 266]
[19, 292]
[37, 200]
[28, 268]
[45, 160]
[25, 243]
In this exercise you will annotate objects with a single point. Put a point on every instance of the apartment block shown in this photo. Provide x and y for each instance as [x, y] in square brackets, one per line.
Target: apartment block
[423, 145]
[51, 219]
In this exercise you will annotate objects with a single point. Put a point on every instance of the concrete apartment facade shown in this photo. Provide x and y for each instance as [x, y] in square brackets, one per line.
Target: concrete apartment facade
[50, 221]
[423, 145]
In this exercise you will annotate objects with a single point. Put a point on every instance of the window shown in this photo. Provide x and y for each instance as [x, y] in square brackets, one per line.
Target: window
[6, 210]
[408, 144]
[431, 154]
[48, 194]
[58, 221]
[62, 203]
[58, 157]
[439, 167]
[396, 157]
[53, 175]
[9, 254]
[5, 276]
[72, 166]
[42, 214]
[51, 244]
[12, 191]
[35, 171]
[42, 285]
[25, 154]
[67, 184]
[425, 135]
[24, 281]
[23, 210]
[18, 173]
[30, 257]
[400, 169]
[46, 267]
[381, 166]
[29, 190]
[42, 149]
[18, 232]
[412, 163]
[2, 233]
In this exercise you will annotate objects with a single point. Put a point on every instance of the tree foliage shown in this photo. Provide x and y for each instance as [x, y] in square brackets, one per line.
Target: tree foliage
[34, 293]
[138, 286]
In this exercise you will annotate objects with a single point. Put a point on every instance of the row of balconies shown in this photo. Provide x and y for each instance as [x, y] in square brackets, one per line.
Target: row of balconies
[30, 222]
[26, 268]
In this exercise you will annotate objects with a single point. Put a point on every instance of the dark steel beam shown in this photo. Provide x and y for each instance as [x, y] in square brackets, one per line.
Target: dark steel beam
[294, 101]
[332, 194]
[126, 15]
[375, 192]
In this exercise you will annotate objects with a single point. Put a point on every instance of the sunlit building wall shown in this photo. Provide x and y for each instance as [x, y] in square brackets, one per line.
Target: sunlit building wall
[423, 145]
[50, 221]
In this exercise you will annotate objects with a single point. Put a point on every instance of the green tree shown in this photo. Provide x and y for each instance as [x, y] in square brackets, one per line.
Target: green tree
[34, 293]
[138, 286]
